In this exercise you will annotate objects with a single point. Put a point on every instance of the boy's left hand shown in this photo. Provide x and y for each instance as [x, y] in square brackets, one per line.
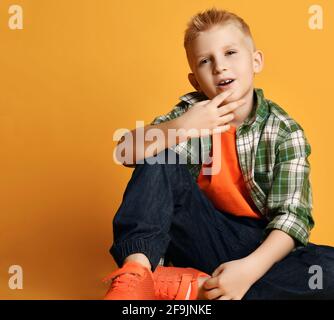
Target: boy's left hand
[230, 281]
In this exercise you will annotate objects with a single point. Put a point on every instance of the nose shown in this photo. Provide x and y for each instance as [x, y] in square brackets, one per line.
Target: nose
[219, 66]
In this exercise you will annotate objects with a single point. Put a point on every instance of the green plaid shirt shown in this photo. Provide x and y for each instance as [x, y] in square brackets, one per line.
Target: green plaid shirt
[273, 156]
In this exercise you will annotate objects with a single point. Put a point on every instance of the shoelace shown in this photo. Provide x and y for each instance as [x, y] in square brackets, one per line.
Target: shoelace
[123, 282]
[161, 291]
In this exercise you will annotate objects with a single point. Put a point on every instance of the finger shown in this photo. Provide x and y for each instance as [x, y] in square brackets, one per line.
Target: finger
[218, 270]
[213, 294]
[230, 107]
[225, 119]
[211, 283]
[224, 298]
[219, 98]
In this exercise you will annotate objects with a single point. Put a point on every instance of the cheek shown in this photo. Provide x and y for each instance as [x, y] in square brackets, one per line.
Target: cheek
[203, 79]
[201, 74]
[245, 71]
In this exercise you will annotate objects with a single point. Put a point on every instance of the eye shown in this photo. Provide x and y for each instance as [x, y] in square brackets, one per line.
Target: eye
[230, 52]
[203, 61]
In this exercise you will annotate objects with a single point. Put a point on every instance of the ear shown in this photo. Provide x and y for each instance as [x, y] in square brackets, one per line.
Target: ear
[258, 61]
[193, 81]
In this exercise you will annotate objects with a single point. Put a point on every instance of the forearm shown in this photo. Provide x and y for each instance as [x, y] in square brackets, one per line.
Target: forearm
[148, 141]
[274, 248]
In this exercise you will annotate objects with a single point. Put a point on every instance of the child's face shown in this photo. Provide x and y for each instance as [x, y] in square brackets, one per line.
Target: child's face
[223, 52]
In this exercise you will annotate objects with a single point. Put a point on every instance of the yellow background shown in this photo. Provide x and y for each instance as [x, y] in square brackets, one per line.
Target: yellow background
[81, 69]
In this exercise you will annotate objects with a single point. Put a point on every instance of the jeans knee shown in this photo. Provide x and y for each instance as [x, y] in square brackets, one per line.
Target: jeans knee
[165, 164]
[166, 156]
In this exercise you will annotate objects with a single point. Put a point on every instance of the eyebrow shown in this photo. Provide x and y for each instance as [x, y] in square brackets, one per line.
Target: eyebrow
[224, 47]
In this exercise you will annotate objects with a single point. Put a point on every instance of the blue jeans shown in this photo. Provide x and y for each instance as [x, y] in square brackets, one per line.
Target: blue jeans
[165, 214]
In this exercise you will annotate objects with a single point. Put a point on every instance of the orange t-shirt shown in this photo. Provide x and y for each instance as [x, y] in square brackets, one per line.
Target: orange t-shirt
[226, 188]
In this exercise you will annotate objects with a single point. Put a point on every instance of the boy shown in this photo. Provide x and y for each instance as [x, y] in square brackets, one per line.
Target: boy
[237, 232]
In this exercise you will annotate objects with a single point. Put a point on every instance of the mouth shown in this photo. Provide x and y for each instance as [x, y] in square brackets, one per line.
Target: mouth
[225, 83]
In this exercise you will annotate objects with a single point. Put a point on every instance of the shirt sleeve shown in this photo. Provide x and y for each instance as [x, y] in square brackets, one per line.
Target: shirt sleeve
[179, 109]
[289, 201]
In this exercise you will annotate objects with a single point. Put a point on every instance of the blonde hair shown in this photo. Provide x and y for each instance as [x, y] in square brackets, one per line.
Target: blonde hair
[204, 21]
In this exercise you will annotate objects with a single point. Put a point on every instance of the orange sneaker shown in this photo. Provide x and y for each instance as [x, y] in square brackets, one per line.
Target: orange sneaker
[173, 283]
[131, 282]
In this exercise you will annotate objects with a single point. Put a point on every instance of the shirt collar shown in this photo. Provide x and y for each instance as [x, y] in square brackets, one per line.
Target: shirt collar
[193, 97]
[260, 110]
[258, 114]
